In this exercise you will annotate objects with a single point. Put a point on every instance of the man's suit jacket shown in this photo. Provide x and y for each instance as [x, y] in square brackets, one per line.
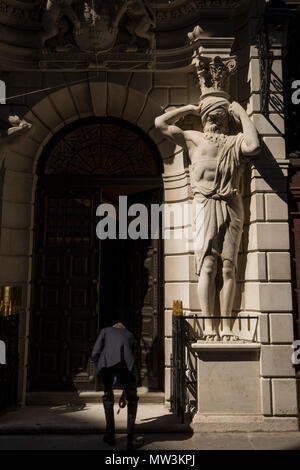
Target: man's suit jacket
[114, 345]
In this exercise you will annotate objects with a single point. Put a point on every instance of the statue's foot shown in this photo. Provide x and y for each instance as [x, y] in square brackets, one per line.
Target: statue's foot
[229, 337]
[64, 48]
[132, 49]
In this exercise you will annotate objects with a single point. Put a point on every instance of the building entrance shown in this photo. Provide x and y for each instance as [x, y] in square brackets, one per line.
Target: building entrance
[80, 283]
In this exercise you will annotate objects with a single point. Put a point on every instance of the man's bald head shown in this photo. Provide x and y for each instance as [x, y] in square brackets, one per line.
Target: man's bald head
[119, 325]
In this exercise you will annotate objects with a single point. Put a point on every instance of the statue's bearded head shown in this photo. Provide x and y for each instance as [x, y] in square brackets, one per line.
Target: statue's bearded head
[214, 114]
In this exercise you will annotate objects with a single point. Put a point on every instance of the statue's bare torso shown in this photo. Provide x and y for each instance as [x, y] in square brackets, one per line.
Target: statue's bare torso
[203, 156]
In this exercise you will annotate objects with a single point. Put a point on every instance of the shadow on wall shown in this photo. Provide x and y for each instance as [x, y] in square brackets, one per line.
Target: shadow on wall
[270, 171]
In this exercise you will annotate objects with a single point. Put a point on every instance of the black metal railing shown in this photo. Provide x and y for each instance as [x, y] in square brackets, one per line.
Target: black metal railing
[187, 329]
[184, 378]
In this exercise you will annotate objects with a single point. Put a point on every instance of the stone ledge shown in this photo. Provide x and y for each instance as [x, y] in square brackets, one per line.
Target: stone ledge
[242, 423]
[204, 346]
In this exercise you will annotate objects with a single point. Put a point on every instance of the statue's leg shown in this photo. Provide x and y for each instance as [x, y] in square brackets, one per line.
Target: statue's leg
[142, 30]
[207, 293]
[226, 299]
[131, 27]
[51, 29]
[63, 30]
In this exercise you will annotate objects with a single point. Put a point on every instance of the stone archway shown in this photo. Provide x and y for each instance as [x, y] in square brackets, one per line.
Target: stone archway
[48, 116]
[81, 284]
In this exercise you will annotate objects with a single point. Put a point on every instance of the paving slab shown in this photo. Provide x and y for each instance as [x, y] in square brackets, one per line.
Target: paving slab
[89, 418]
[156, 441]
[81, 427]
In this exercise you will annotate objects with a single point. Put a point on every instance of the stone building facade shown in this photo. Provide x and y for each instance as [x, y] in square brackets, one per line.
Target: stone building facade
[60, 89]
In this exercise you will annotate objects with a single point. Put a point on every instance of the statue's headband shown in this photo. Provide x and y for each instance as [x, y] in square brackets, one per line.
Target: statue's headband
[211, 103]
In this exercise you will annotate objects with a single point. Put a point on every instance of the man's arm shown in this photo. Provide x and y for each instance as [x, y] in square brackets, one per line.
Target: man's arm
[165, 123]
[251, 144]
[99, 345]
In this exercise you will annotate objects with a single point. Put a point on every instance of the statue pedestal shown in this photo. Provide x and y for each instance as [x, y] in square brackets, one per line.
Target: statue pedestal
[229, 390]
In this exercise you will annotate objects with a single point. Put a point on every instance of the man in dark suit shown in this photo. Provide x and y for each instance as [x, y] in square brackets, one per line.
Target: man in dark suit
[114, 356]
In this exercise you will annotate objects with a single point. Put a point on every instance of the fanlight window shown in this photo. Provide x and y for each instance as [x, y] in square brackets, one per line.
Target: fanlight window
[106, 147]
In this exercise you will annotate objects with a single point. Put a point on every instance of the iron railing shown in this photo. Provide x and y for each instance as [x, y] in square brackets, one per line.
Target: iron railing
[186, 329]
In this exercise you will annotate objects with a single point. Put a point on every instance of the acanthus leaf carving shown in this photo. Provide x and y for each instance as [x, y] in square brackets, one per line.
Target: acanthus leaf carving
[214, 74]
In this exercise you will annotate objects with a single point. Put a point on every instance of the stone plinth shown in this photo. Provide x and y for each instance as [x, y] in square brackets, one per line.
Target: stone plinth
[229, 389]
[228, 378]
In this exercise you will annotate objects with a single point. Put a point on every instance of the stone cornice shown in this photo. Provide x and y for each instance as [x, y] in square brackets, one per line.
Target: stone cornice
[12, 57]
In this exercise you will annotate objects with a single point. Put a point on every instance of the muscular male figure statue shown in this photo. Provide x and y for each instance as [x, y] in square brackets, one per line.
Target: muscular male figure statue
[216, 165]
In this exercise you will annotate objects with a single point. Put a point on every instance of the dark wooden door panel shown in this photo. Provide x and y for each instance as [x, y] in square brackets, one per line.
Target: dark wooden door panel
[64, 322]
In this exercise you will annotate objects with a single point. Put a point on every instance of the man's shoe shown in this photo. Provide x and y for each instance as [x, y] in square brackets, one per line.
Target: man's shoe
[135, 443]
[110, 440]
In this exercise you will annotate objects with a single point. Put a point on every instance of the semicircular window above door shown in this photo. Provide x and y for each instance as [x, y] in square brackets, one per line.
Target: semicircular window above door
[103, 146]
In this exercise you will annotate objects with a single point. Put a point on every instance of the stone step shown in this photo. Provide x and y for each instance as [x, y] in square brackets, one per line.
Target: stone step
[74, 398]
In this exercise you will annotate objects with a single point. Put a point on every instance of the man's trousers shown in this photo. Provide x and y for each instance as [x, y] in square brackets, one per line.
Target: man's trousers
[128, 381]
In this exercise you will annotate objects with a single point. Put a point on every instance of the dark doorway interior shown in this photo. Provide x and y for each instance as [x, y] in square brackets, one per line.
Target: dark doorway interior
[130, 280]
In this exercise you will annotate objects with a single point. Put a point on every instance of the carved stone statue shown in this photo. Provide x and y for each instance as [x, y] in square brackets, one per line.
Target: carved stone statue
[141, 19]
[18, 127]
[53, 12]
[101, 21]
[99, 24]
[216, 153]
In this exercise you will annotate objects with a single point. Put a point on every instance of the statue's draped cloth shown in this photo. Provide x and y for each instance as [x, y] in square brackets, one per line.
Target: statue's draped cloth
[219, 222]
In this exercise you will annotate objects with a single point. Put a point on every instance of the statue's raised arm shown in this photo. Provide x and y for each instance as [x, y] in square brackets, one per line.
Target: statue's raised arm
[166, 124]
[251, 143]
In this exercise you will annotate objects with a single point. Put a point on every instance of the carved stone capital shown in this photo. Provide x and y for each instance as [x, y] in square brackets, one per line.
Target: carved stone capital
[214, 74]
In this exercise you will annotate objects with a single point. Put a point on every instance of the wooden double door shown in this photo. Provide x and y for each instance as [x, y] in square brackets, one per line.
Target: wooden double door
[81, 284]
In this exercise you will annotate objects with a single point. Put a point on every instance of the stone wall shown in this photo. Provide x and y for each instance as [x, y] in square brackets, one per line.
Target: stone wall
[264, 265]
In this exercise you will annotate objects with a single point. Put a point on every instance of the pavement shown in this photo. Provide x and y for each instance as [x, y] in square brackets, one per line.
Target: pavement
[81, 427]
[86, 419]
[156, 441]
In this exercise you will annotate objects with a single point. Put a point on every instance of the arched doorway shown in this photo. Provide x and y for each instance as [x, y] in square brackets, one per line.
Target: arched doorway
[81, 284]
